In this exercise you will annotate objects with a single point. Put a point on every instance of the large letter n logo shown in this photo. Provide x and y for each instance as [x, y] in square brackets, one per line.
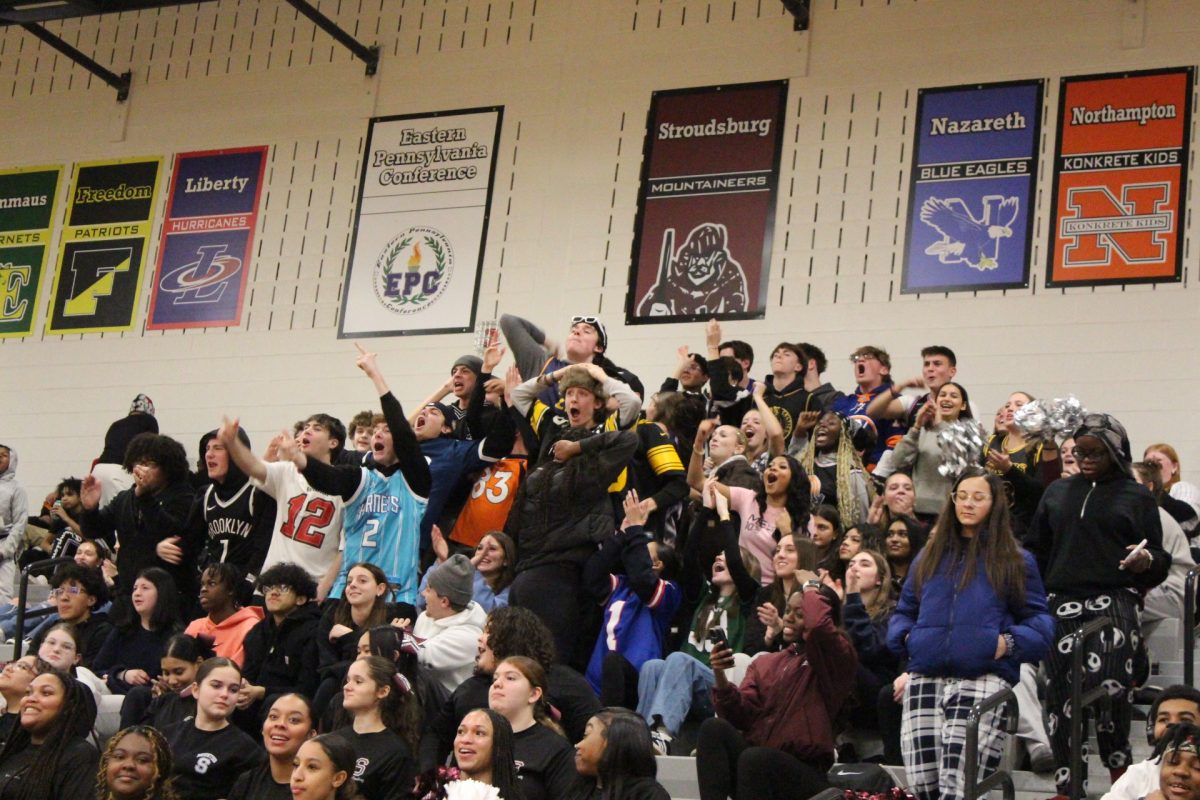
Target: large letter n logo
[1135, 226]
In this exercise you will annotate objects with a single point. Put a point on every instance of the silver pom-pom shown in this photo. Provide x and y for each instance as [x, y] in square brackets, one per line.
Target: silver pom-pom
[1050, 420]
[961, 444]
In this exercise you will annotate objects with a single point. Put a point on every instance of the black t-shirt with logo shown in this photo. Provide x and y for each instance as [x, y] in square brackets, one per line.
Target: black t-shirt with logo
[384, 767]
[208, 762]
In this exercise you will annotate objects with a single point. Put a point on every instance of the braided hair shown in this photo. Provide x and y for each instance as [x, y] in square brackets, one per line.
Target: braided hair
[162, 787]
[1181, 735]
[848, 462]
[75, 719]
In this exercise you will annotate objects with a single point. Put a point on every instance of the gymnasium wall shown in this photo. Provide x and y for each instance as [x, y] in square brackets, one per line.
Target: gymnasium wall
[575, 78]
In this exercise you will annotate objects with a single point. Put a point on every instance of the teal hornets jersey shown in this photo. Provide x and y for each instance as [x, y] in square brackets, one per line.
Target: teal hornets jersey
[382, 526]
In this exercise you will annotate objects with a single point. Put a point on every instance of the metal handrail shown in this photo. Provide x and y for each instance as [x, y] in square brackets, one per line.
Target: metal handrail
[1001, 776]
[1189, 625]
[37, 567]
[1081, 700]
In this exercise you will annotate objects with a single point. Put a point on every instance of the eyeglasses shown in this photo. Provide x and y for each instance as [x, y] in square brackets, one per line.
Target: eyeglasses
[857, 359]
[21, 665]
[278, 589]
[1088, 455]
[977, 497]
[54, 593]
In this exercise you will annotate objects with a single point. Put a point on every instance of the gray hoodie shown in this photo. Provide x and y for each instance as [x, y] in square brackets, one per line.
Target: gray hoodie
[14, 509]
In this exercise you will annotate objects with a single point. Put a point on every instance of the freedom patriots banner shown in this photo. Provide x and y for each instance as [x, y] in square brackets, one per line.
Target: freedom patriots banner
[204, 255]
[424, 199]
[1120, 178]
[706, 205]
[971, 189]
[103, 246]
[26, 209]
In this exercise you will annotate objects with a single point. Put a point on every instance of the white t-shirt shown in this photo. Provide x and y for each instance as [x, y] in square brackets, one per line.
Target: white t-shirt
[308, 524]
[1138, 781]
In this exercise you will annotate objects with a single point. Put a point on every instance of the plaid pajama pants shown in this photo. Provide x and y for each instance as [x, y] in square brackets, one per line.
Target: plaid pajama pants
[933, 735]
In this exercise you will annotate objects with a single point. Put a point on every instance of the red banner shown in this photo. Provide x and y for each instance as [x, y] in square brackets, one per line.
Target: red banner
[1120, 178]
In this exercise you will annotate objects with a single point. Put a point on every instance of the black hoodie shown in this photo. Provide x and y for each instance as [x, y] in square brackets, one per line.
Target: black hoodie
[283, 658]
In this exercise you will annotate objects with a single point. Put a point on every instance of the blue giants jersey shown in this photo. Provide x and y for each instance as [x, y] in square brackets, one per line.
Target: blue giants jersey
[381, 525]
[632, 628]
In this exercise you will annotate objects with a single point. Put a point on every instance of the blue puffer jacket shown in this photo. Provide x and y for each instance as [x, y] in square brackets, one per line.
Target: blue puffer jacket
[953, 634]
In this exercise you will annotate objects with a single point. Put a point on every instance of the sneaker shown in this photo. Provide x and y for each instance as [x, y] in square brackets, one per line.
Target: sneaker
[660, 740]
[1041, 759]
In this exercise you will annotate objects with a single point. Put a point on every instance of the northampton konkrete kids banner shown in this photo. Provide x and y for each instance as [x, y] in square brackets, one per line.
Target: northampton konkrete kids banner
[972, 186]
[706, 204]
[27, 201]
[1120, 178]
[103, 247]
[204, 255]
[421, 223]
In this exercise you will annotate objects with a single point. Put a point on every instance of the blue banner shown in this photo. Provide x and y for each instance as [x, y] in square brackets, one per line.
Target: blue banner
[970, 210]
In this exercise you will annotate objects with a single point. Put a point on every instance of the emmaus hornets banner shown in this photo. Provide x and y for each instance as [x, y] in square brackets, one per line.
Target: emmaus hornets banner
[26, 216]
[706, 205]
[205, 250]
[421, 224]
[103, 246]
[971, 192]
[1120, 178]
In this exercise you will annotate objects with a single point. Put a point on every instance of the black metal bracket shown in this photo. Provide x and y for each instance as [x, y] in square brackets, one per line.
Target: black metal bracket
[118, 82]
[369, 55]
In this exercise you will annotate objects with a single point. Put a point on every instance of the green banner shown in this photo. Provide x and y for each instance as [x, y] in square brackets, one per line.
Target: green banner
[26, 209]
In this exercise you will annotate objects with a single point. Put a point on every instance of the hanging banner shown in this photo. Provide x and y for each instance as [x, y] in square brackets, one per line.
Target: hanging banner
[103, 246]
[706, 205]
[424, 199]
[1120, 178]
[27, 198]
[212, 210]
[971, 189]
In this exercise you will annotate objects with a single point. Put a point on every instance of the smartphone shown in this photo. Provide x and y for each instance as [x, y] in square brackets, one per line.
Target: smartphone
[718, 639]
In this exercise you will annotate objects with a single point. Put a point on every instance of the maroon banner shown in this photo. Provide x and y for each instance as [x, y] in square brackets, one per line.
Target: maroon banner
[706, 206]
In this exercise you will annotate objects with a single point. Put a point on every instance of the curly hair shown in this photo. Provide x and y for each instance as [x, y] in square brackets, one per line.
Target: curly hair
[162, 787]
[90, 579]
[288, 574]
[513, 631]
[75, 719]
[848, 462]
[164, 451]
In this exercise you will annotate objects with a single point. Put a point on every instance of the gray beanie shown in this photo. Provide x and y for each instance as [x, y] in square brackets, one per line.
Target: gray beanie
[454, 579]
[471, 362]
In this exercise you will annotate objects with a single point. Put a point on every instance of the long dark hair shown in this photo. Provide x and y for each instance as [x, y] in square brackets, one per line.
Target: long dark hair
[797, 499]
[806, 559]
[166, 609]
[508, 572]
[163, 785]
[504, 762]
[994, 543]
[392, 706]
[343, 758]
[628, 753]
[75, 719]
[966, 399]
[536, 675]
[379, 609]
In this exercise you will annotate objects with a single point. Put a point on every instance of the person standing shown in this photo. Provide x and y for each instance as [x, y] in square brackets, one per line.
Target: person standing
[14, 509]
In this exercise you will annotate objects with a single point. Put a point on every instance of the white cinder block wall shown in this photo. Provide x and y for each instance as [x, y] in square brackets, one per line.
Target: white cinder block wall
[575, 78]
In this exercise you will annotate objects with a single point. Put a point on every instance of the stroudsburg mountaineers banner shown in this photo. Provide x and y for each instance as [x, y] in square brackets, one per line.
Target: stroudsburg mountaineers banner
[206, 243]
[1120, 178]
[103, 246]
[706, 205]
[26, 215]
[972, 187]
[421, 224]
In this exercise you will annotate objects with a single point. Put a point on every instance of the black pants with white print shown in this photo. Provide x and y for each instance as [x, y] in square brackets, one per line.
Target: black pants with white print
[1108, 662]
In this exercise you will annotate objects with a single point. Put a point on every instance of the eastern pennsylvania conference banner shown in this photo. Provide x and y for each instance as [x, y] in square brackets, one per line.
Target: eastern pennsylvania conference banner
[971, 189]
[26, 216]
[1120, 178]
[104, 246]
[419, 232]
[706, 205]
[205, 251]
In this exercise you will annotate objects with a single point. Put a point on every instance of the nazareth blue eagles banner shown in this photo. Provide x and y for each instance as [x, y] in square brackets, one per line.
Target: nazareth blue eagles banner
[970, 220]
[205, 251]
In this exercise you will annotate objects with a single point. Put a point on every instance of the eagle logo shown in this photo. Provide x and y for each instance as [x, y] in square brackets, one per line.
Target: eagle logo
[967, 239]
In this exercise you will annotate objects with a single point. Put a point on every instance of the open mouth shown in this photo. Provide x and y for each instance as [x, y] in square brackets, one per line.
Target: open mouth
[575, 415]
[377, 447]
[860, 369]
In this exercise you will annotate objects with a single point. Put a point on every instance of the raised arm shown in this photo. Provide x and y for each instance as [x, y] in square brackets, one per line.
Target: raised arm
[241, 455]
[527, 343]
[695, 468]
[404, 440]
[888, 405]
[774, 430]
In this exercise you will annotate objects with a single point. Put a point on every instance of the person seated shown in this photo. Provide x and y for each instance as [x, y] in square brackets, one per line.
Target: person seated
[543, 754]
[225, 621]
[904, 538]
[639, 604]
[866, 610]
[288, 725]
[483, 752]
[451, 623]
[210, 752]
[78, 594]
[1180, 491]
[14, 683]
[1175, 705]
[169, 698]
[615, 759]
[323, 767]
[774, 735]
[794, 553]
[48, 756]
[281, 650]
[1179, 756]
[60, 649]
[132, 652]
[509, 632]
[378, 729]
[136, 765]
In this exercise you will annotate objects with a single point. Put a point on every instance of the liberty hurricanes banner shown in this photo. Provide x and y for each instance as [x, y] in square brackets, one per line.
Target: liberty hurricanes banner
[706, 205]
[103, 246]
[971, 189]
[212, 210]
[26, 216]
[419, 232]
[1120, 178]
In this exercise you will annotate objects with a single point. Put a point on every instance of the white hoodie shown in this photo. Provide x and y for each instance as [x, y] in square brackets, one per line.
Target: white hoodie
[14, 508]
[448, 652]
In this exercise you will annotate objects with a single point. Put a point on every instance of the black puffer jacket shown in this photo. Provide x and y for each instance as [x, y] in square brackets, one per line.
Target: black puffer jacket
[283, 658]
[562, 509]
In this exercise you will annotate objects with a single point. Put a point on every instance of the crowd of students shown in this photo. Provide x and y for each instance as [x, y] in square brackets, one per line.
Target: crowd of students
[543, 577]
